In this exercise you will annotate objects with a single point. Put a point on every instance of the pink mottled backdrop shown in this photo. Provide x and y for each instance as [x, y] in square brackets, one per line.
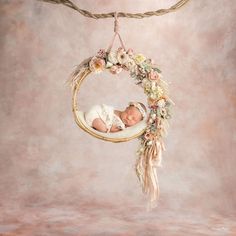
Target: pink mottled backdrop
[58, 180]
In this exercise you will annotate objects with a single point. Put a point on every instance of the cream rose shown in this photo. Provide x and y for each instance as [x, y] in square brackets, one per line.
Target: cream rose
[112, 57]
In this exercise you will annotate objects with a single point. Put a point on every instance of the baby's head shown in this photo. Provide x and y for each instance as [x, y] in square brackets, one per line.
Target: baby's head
[133, 114]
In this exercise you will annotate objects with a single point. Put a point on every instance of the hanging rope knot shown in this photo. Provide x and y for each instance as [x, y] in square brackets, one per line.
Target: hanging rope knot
[116, 23]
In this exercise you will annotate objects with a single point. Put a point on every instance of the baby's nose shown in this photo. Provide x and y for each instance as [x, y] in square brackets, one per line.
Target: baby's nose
[129, 117]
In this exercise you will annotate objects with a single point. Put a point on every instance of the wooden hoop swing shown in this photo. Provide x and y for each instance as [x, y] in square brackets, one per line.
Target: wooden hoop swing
[152, 128]
[111, 137]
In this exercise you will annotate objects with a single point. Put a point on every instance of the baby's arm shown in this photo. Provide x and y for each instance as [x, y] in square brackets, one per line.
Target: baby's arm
[99, 125]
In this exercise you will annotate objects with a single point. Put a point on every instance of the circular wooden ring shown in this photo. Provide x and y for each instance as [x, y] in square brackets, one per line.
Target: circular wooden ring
[75, 109]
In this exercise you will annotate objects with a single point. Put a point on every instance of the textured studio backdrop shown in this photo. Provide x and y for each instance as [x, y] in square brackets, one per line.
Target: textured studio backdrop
[47, 162]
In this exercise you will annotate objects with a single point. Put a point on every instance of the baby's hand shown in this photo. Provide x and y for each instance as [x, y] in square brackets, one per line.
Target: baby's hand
[114, 129]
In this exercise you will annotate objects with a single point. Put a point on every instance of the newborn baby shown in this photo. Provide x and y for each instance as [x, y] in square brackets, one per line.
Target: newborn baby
[105, 119]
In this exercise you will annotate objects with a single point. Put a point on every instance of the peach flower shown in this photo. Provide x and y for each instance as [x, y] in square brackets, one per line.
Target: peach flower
[97, 65]
[152, 102]
[130, 52]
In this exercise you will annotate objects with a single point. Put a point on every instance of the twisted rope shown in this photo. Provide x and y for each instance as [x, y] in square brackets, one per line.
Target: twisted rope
[86, 13]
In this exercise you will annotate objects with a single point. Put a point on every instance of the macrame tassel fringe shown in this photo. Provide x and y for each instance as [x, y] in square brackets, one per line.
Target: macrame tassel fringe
[146, 169]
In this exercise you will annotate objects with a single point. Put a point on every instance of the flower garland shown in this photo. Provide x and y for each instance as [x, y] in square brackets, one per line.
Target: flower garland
[147, 75]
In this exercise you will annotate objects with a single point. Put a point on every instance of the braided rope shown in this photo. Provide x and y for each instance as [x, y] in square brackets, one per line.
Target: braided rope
[86, 13]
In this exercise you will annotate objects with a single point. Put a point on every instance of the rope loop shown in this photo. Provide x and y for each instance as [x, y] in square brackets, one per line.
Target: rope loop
[116, 23]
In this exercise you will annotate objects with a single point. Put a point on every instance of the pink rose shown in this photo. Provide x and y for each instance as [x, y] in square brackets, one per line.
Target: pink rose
[154, 75]
[130, 52]
[115, 69]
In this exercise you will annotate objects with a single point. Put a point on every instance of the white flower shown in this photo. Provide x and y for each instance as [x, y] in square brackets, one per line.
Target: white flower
[144, 81]
[153, 85]
[130, 64]
[134, 69]
[153, 116]
[153, 96]
[163, 112]
[147, 85]
[122, 57]
[161, 103]
[112, 57]
[109, 64]
[159, 91]
[149, 143]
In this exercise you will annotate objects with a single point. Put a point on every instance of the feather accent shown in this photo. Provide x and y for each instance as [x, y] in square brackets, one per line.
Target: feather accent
[76, 74]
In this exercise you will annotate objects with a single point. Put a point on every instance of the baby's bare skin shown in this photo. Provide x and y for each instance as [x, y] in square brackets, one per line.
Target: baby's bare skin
[130, 116]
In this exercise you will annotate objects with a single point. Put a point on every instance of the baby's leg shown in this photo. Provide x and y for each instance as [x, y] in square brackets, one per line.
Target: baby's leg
[99, 125]
[92, 114]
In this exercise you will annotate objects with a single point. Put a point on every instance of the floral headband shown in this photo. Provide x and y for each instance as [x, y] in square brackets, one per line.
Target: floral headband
[136, 104]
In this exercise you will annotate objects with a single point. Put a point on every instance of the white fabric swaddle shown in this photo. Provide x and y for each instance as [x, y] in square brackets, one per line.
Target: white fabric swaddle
[106, 113]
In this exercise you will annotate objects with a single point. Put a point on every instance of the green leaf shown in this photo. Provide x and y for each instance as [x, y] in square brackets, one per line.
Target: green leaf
[156, 69]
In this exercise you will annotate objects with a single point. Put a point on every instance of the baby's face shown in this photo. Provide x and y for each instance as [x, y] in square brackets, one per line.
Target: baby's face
[131, 116]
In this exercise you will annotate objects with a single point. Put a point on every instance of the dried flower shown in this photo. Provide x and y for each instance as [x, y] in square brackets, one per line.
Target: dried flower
[149, 61]
[149, 143]
[101, 53]
[141, 72]
[151, 102]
